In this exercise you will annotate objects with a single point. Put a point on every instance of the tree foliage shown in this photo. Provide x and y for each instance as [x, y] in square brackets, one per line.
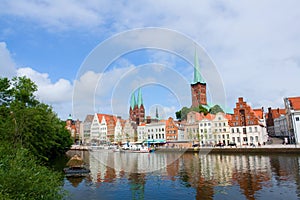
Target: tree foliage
[32, 134]
[182, 114]
[23, 178]
[216, 109]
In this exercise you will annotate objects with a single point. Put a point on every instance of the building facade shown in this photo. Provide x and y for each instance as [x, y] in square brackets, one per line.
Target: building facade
[221, 128]
[292, 106]
[136, 109]
[248, 125]
[171, 130]
[87, 129]
[156, 131]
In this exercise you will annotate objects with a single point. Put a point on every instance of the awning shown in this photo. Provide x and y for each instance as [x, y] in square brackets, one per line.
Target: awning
[152, 141]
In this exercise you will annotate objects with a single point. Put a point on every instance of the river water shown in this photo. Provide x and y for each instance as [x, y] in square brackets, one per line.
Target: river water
[186, 176]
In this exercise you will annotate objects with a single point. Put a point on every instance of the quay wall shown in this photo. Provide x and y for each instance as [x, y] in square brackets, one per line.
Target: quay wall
[233, 150]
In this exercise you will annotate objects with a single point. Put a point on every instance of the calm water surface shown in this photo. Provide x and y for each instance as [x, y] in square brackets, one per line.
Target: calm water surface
[186, 176]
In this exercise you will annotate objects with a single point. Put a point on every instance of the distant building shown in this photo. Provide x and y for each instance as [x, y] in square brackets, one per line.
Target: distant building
[247, 125]
[281, 128]
[136, 109]
[118, 135]
[87, 129]
[130, 131]
[171, 130]
[221, 129]
[103, 128]
[73, 127]
[141, 132]
[271, 115]
[292, 106]
[156, 130]
[198, 87]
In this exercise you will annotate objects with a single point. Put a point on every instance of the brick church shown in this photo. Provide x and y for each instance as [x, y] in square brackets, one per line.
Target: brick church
[198, 86]
[137, 110]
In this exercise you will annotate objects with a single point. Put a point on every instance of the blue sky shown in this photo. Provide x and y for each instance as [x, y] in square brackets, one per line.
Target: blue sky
[253, 44]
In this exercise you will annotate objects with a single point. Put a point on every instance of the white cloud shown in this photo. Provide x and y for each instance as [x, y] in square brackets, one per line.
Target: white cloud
[254, 45]
[57, 94]
[7, 64]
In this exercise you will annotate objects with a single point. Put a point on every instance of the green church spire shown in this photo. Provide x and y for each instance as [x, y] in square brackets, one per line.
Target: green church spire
[140, 98]
[197, 76]
[132, 102]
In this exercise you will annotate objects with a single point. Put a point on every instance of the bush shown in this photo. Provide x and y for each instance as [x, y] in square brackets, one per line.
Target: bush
[23, 178]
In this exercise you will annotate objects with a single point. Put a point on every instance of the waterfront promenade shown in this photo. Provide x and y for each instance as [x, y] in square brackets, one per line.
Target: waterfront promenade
[271, 148]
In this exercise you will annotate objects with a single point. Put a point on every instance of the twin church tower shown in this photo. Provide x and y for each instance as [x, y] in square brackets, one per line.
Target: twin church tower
[198, 92]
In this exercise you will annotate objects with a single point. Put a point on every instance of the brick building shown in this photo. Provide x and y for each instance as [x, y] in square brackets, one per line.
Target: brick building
[137, 110]
[198, 87]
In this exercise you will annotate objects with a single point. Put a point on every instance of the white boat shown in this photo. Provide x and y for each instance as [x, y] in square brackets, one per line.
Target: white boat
[136, 148]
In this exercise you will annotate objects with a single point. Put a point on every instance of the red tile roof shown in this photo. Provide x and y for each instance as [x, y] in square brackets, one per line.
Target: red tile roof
[258, 112]
[107, 117]
[295, 102]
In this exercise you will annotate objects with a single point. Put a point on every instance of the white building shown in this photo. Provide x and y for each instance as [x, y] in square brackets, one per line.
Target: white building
[87, 129]
[156, 131]
[221, 128]
[292, 106]
[129, 131]
[205, 135]
[118, 136]
[141, 132]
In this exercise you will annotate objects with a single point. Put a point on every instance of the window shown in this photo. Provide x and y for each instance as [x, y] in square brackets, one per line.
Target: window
[297, 118]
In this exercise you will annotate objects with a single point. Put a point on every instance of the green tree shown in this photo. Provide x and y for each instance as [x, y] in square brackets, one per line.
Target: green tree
[36, 135]
[215, 109]
[203, 110]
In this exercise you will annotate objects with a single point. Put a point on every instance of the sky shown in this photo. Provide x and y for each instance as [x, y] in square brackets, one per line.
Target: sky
[251, 48]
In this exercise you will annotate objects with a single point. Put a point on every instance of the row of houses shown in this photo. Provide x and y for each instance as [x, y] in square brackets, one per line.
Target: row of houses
[246, 126]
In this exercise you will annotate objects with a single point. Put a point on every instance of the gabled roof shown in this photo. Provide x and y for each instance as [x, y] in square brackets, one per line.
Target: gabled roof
[276, 113]
[295, 102]
[89, 118]
[258, 112]
[107, 117]
[210, 116]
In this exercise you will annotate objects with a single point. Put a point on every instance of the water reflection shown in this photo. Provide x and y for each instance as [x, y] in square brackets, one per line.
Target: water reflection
[211, 176]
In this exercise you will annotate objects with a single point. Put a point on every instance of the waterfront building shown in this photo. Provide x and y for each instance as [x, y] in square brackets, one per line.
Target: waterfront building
[221, 129]
[292, 106]
[136, 109]
[191, 126]
[180, 131]
[198, 87]
[281, 128]
[141, 132]
[130, 131]
[171, 130]
[73, 127]
[118, 135]
[103, 128]
[247, 125]
[87, 129]
[156, 130]
[270, 119]
[70, 126]
[205, 135]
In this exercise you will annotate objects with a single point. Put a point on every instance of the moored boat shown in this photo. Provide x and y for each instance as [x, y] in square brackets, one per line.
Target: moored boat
[76, 167]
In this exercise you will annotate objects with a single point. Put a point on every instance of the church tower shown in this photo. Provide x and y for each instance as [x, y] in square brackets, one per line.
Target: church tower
[137, 110]
[198, 87]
